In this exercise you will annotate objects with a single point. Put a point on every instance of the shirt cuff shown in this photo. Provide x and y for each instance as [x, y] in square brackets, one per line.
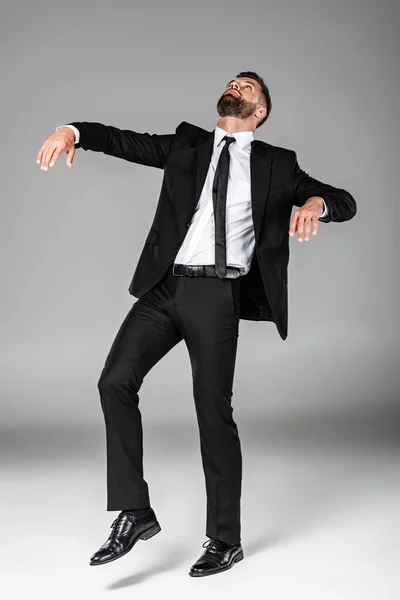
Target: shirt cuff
[74, 129]
[325, 213]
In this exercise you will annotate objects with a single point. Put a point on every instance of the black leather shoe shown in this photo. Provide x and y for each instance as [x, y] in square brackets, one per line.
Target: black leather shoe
[126, 530]
[217, 557]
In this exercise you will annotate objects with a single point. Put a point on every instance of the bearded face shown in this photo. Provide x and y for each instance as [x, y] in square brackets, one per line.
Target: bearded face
[231, 104]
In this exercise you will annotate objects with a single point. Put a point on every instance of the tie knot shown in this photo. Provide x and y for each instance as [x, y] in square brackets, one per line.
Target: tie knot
[228, 139]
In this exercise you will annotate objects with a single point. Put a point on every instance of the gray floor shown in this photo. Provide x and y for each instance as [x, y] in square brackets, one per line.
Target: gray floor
[320, 511]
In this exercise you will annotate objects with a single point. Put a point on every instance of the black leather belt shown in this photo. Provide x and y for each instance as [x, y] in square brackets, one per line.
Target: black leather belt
[199, 270]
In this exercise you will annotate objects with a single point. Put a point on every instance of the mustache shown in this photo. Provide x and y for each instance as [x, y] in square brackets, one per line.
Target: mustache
[230, 92]
[227, 97]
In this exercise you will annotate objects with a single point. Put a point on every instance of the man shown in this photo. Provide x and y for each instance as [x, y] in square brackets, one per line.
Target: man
[217, 251]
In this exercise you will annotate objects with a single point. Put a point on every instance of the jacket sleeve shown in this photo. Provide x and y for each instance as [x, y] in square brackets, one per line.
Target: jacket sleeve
[142, 148]
[340, 204]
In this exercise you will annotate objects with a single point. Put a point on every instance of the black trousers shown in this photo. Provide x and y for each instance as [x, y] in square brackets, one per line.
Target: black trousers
[204, 312]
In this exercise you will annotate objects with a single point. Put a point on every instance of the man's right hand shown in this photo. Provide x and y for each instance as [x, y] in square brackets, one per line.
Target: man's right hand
[62, 140]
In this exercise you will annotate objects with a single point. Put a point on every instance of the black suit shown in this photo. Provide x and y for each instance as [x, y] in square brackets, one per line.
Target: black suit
[204, 311]
[277, 183]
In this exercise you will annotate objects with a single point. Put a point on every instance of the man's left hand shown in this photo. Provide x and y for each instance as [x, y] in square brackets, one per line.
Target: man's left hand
[305, 215]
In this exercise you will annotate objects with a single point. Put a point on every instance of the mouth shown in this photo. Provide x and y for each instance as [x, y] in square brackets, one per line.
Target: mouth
[232, 92]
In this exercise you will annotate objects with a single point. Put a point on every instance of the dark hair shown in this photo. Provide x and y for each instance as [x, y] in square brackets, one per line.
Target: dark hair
[265, 92]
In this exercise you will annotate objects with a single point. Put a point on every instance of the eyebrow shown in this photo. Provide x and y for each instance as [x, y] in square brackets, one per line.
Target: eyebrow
[234, 80]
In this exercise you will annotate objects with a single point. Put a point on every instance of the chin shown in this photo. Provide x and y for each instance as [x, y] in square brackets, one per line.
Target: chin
[228, 105]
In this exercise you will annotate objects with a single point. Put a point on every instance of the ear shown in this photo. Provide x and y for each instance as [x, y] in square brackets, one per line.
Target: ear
[261, 112]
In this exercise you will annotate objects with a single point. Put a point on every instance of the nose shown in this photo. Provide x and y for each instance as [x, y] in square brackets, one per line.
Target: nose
[233, 87]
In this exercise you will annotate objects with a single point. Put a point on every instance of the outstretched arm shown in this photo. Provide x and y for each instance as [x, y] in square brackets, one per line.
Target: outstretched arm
[317, 201]
[340, 204]
[142, 148]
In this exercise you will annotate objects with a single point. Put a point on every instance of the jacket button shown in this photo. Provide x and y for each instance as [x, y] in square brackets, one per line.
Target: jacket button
[187, 224]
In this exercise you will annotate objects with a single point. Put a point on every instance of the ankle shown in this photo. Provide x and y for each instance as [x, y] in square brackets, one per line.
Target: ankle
[136, 511]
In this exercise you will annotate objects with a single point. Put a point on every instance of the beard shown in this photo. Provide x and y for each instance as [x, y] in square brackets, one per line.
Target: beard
[232, 105]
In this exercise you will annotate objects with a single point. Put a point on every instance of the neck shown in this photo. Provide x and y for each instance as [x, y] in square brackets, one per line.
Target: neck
[234, 125]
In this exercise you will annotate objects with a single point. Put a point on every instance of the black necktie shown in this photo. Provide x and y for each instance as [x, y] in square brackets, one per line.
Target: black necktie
[220, 186]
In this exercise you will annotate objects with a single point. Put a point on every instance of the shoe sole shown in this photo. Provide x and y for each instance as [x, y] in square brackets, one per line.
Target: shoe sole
[237, 558]
[145, 535]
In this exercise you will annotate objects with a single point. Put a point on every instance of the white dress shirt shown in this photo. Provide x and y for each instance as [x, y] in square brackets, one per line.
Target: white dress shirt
[198, 246]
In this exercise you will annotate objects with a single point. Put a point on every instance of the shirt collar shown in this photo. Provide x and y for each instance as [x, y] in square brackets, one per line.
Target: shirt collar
[242, 137]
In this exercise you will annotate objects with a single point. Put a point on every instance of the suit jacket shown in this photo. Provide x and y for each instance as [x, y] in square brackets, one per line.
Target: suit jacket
[277, 183]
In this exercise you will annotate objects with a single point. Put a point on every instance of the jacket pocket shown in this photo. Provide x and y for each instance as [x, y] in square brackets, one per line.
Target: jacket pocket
[152, 237]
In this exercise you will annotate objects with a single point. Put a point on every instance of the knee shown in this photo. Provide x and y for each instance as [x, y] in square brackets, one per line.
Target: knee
[113, 381]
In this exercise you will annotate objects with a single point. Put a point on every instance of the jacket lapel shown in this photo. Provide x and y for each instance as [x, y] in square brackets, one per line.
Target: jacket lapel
[204, 148]
[260, 176]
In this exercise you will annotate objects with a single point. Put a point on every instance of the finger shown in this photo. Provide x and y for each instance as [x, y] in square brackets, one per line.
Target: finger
[315, 223]
[47, 155]
[70, 157]
[300, 227]
[53, 159]
[293, 223]
[39, 154]
[308, 227]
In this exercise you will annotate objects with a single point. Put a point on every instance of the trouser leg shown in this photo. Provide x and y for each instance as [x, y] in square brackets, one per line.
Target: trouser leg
[147, 333]
[209, 316]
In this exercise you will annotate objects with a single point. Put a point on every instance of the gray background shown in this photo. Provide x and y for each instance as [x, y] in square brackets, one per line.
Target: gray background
[317, 413]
